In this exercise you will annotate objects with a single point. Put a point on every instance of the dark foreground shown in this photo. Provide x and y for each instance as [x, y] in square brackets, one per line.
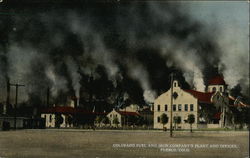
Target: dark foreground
[122, 144]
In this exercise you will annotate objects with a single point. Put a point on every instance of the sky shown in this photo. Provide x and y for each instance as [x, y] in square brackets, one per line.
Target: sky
[230, 21]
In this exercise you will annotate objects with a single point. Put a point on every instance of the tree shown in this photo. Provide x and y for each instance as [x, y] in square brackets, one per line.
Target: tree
[105, 120]
[191, 120]
[177, 120]
[116, 121]
[98, 120]
[164, 120]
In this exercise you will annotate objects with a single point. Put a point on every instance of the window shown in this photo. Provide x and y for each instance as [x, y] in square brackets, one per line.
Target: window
[191, 107]
[158, 119]
[110, 115]
[50, 118]
[179, 107]
[214, 89]
[158, 107]
[175, 84]
[174, 107]
[220, 89]
[166, 107]
[186, 107]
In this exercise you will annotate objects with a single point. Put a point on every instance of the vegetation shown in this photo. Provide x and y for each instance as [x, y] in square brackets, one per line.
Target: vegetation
[116, 121]
[98, 120]
[105, 120]
[177, 120]
[164, 119]
[191, 120]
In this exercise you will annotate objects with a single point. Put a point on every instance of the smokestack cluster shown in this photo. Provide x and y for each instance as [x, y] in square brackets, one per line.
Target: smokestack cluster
[137, 42]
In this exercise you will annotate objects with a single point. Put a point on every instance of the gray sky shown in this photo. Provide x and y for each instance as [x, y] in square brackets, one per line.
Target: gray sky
[230, 22]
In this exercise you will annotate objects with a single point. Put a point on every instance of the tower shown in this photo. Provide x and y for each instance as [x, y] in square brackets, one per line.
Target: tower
[217, 84]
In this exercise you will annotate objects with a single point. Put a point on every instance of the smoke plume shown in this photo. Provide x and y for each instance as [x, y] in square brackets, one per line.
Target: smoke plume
[139, 42]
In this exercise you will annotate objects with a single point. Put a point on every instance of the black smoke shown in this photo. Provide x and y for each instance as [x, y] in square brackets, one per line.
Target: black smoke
[101, 52]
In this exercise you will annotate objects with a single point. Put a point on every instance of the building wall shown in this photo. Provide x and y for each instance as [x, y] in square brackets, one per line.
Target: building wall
[219, 88]
[112, 115]
[182, 99]
[49, 120]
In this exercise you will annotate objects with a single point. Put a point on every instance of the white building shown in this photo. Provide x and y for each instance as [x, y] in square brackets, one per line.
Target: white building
[50, 114]
[185, 103]
[211, 109]
[121, 117]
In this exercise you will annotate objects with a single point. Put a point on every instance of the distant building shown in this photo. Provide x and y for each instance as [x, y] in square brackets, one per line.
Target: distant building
[121, 118]
[145, 112]
[68, 116]
[148, 116]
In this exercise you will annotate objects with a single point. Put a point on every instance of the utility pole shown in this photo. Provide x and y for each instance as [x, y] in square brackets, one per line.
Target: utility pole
[171, 107]
[16, 85]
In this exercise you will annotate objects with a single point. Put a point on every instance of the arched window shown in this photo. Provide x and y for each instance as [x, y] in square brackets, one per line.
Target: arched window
[175, 84]
[214, 89]
[179, 107]
[174, 107]
[166, 107]
[191, 107]
[221, 89]
[158, 107]
[158, 119]
[186, 107]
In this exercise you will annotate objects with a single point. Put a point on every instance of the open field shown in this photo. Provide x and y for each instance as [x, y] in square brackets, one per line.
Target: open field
[65, 143]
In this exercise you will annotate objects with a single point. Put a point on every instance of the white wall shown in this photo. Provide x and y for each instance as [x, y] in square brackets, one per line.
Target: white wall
[183, 98]
[113, 114]
[210, 88]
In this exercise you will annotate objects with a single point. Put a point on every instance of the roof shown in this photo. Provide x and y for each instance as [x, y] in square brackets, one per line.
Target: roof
[68, 110]
[201, 96]
[128, 113]
[218, 80]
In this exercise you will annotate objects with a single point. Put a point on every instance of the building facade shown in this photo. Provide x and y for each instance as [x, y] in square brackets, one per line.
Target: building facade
[184, 104]
[122, 118]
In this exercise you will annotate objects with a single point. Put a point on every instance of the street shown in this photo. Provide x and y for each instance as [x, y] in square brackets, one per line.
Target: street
[118, 143]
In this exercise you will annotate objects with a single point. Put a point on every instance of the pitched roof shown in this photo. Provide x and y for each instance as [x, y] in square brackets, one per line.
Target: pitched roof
[128, 113]
[218, 80]
[201, 96]
[68, 110]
